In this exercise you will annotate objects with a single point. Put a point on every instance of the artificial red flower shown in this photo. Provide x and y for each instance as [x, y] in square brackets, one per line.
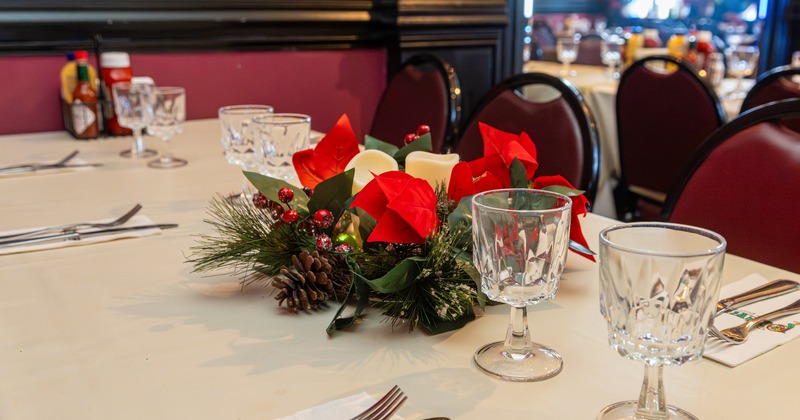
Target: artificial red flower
[404, 206]
[463, 184]
[330, 157]
[579, 204]
[499, 150]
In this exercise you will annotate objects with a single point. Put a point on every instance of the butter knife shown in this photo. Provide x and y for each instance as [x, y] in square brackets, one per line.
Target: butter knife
[765, 291]
[76, 236]
[32, 168]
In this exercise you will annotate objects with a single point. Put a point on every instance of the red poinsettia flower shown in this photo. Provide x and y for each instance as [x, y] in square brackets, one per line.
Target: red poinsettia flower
[499, 150]
[463, 184]
[579, 208]
[330, 156]
[404, 206]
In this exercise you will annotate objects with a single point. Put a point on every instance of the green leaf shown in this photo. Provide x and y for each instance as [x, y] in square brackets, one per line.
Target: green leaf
[462, 215]
[423, 143]
[473, 273]
[358, 287]
[519, 178]
[569, 192]
[332, 194]
[371, 143]
[398, 278]
[366, 224]
[440, 326]
[270, 186]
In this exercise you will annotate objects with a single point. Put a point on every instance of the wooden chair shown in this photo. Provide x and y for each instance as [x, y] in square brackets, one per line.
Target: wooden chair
[744, 183]
[424, 91]
[774, 85]
[553, 113]
[664, 112]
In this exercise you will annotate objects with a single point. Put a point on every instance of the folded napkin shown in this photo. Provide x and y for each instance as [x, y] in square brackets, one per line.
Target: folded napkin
[71, 168]
[138, 220]
[343, 408]
[761, 340]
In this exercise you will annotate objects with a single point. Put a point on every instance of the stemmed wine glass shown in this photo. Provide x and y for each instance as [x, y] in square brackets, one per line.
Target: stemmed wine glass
[238, 138]
[520, 238]
[129, 105]
[166, 112]
[611, 53]
[567, 50]
[741, 63]
[658, 286]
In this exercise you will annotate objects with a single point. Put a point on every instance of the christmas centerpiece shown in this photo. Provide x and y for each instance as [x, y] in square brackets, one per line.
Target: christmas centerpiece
[386, 228]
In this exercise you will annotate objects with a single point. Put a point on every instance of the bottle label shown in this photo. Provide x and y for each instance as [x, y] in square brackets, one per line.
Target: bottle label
[82, 117]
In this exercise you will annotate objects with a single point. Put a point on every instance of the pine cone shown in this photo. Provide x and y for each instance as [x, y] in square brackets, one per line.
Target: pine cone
[306, 284]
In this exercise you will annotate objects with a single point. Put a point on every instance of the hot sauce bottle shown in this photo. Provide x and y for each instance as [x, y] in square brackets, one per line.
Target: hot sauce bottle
[84, 101]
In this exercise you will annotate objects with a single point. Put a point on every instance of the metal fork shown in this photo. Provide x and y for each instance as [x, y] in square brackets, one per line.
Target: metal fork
[385, 408]
[37, 166]
[769, 290]
[75, 226]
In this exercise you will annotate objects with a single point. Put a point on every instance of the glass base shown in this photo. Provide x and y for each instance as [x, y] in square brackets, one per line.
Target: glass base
[167, 163]
[144, 153]
[539, 364]
[626, 410]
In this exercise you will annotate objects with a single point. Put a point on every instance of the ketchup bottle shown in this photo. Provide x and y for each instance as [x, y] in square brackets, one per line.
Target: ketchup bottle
[116, 68]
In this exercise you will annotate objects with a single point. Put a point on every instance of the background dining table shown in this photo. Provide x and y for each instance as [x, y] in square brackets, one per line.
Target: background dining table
[600, 92]
[127, 330]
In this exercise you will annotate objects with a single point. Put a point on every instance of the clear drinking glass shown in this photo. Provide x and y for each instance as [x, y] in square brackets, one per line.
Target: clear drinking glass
[238, 138]
[567, 50]
[129, 106]
[279, 136]
[520, 239]
[611, 53]
[658, 286]
[166, 112]
[741, 63]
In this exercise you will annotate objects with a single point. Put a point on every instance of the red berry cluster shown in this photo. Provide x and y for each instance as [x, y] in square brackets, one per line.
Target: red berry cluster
[421, 129]
[322, 218]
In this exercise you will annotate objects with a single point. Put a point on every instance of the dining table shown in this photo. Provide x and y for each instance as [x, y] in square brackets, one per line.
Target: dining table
[599, 89]
[128, 329]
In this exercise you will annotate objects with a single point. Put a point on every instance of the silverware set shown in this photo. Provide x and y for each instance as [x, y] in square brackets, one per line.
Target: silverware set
[33, 167]
[77, 231]
[739, 334]
[385, 408]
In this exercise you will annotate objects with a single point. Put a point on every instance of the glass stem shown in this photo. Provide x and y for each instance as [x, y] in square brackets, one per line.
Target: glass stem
[518, 338]
[652, 401]
[137, 146]
[166, 155]
[565, 68]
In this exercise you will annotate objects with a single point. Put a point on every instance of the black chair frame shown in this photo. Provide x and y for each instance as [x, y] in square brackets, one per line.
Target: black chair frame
[766, 79]
[576, 102]
[625, 200]
[768, 112]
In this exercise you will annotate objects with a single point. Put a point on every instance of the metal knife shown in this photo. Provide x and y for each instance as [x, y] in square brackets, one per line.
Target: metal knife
[31, 168]
[76, 236]
[765, 291]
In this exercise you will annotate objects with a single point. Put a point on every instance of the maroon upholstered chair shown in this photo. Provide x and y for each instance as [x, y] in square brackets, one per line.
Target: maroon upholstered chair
[662, 117]
[424, 91]
[590, 50]
[774, 85]
[744, 183]
[557, 120]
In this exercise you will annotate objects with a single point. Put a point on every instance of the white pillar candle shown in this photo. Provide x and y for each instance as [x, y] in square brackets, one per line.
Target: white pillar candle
[369, 162]
[432, 167]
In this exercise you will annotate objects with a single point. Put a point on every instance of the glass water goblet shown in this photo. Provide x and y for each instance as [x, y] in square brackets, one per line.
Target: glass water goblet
[279, 136]
[129, 106]
[741, 63]
[611, 53]
[238, 139]
[520, 243]
[658, 286]
[166, 112]
[567, 51]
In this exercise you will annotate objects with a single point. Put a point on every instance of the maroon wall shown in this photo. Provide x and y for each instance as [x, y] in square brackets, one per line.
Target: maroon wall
[323, 84]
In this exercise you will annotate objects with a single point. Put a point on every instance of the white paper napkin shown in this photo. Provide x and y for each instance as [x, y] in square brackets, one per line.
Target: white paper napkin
[138, 220]
[343, 408]
[74, 161]
[761, 340]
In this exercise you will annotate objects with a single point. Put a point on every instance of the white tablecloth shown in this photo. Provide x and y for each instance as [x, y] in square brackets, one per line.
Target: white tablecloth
[125, 329]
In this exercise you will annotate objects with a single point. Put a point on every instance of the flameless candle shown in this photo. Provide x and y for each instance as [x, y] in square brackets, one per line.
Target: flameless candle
[432, 167]
[368, 162]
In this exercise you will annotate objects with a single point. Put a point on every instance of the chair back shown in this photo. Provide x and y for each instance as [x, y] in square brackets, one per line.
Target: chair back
[590, 49]
[775, 85]
[425, 91]
[543, 41]
[553, 113]
[664, 111]
[744, 183]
